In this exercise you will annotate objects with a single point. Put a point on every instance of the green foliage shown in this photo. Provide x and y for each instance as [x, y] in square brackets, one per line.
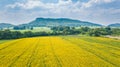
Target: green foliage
[94, 32]
[84, 30]
[16, 34]
[116, 31]
[7, 34]
[100, 31]
[61, 30]
[64, 30]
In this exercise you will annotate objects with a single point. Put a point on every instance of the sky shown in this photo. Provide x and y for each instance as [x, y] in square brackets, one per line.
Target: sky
[23, 11]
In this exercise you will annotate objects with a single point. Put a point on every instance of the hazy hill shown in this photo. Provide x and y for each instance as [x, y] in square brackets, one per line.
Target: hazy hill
[43, 22]
[5, 25]
[114, 25]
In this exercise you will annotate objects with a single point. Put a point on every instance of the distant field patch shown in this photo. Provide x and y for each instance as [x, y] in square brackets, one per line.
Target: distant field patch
[3, 41]
[36, 29]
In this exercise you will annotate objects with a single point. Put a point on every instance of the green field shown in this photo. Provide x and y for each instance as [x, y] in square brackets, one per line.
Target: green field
[61, 51]
[3, 41]
[36, 29]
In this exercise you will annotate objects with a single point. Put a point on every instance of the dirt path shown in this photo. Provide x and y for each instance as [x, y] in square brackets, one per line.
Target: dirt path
[115, 37]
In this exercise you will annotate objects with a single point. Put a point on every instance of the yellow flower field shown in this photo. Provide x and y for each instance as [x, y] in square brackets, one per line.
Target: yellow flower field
[60, 51]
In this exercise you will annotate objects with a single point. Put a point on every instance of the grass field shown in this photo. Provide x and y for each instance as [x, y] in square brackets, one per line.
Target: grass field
[36, 29]
[61, 51]
[3, 41]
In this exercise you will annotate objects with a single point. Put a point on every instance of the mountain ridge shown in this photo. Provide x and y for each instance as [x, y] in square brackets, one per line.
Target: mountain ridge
[114, 25]
[6, 25]
[50, 22]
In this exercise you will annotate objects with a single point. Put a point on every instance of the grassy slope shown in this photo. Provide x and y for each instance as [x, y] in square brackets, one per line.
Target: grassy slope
[3, 41]
[65, 51]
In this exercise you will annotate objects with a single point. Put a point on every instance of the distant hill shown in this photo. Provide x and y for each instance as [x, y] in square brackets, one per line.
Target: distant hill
[114, 25]
[6, 25]
[49, 22]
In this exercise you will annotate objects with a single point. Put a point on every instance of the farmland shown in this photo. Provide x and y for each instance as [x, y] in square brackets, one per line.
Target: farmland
[35, 29]
[60, 51]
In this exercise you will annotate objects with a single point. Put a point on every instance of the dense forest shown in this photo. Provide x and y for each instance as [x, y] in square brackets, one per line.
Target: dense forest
[61, 30]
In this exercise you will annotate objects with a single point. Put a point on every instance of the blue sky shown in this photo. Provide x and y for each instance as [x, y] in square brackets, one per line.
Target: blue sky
[23, 11]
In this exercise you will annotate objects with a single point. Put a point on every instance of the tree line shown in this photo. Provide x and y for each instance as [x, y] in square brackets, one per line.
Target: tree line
[61, 30]
[87, 31]
[7, 34]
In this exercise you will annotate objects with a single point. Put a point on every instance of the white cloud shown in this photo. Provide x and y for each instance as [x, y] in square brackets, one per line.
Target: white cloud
[61, 6]
[94, 2]
[30, 4]
[66, 4]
